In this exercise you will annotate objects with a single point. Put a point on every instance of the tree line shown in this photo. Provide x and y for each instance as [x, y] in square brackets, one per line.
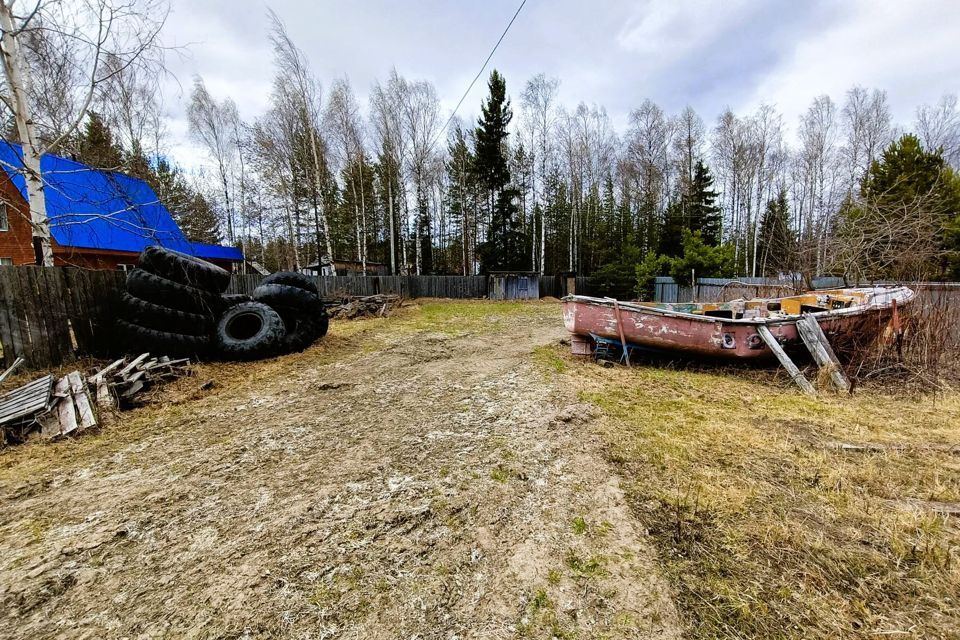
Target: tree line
[392, 183]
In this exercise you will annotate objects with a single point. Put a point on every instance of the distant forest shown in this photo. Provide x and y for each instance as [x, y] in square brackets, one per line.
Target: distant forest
[532, 184]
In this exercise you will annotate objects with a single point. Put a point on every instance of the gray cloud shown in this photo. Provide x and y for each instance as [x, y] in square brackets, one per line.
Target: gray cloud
[709, 54]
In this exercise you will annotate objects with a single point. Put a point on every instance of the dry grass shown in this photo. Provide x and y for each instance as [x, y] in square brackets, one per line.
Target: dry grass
[765, 525]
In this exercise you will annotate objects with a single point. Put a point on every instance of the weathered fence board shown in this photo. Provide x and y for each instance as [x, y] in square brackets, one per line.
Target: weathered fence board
[49, 315]
[406, 286]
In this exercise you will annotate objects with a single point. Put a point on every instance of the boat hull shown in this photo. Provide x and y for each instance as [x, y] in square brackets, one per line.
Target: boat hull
[699, 336]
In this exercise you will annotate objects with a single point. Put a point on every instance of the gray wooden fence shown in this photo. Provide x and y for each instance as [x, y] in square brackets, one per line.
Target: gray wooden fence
[725, 289]
[406, 286]
[50, 315]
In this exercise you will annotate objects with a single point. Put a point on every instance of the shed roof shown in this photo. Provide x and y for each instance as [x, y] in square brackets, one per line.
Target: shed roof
[98, 209]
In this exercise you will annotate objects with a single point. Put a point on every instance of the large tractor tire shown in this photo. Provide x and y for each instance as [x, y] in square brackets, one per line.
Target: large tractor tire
[292, 279]
[154, 316]
[184, 269]
[168, 293]
[249, 331]
[140, 338]
[289, 298]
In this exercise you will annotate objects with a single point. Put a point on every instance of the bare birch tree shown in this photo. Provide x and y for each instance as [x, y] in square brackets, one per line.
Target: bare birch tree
[342, 117]
[304, 94]
[213, 124]
[866, 124]
[421, 114]
[89, 32]
[387, 120]
[538, 106]
[939, 128]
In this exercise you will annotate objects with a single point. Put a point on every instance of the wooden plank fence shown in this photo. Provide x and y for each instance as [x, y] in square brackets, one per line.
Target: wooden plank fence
[406, 286]
[48, 315]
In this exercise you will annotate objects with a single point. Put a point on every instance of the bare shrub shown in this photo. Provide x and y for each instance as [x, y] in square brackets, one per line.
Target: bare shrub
[924, 355]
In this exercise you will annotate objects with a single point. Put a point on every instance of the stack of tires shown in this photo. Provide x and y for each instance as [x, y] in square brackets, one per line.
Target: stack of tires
[295, 298]
[175, 305]
[171, 303]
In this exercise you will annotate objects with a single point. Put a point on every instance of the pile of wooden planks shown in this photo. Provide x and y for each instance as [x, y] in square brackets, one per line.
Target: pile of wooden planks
[119, 383]
[52, 408]
[362, 306]
[47, 407]
[71, 410]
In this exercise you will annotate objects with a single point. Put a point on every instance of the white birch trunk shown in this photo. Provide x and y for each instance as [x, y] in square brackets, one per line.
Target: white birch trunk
[393, 251]
[323, 214]
[18, 80]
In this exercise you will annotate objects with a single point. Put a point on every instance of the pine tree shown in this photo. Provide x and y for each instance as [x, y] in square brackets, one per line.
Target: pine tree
[490, 163]
[702, 212]
[776, 246]
[96, 146]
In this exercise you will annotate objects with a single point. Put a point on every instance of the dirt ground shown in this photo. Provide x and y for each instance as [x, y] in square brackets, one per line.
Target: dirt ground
[422, 476]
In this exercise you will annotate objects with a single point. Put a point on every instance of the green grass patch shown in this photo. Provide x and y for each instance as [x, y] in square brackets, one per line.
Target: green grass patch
[593, 566]
[579, 525]
[547, 356]
[499, 474]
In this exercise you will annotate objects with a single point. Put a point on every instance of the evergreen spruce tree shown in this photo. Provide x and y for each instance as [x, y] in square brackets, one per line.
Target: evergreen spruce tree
[505, 248]
[907, 185]
[490, 163]
[776, 245]
[671, 234]
[702, 211]
[96, 146]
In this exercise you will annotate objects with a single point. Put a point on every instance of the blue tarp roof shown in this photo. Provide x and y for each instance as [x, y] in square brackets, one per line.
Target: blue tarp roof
[96, 209]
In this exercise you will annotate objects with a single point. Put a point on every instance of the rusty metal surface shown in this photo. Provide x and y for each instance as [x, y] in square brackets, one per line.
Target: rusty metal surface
[666, 329]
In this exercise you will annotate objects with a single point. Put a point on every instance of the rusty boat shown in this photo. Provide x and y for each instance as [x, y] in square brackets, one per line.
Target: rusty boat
[730, 330]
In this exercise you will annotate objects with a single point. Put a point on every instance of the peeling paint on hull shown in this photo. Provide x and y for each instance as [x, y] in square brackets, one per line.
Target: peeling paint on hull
[664, 328]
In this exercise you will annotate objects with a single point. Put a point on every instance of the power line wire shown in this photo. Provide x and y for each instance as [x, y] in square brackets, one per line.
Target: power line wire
[479, 73]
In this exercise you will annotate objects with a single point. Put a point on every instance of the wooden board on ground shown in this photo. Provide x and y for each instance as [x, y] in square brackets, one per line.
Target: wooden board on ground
[25, 401]
[819, 347]
[785, 360]
[81, 399]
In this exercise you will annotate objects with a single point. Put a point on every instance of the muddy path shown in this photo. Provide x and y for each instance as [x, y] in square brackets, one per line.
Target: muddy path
[417, 477]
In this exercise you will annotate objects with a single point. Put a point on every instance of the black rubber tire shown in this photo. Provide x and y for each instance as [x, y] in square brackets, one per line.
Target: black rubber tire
[162, 343]
[228, 300]
[155, 316]
[249, 331]
[173, 295]
[302, 329]
[293, 279]
[301, 332]
[185, 269]
[285, 297]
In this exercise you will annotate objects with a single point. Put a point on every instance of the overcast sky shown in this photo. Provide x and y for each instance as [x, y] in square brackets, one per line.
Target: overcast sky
[709, 54]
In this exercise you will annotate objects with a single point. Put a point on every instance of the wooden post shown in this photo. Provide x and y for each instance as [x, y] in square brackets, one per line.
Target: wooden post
[819, 347]
[623, 340]
[785, 360]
